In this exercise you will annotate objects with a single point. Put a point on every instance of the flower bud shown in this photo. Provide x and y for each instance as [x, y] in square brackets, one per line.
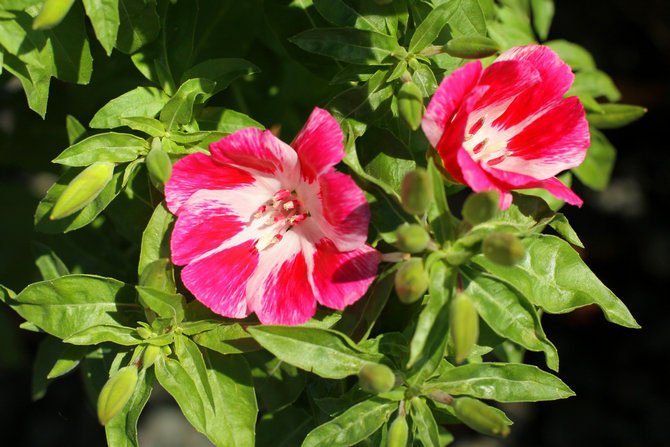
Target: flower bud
[416, 191]
[503, 248]
[471, 47]
[376, 378]
[480, 207]
[480, 417]
[144, 332]
[83, 189]
[52, 13]
[158, 163]
[463, 326]
[410, 105]
[116, 393]
[412, 238]
[411, 281]
[398, 433]
[150, 355]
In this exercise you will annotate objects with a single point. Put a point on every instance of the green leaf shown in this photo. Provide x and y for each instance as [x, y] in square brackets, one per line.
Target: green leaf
[71, 54]
[574, 55]
[75, 130]
[562, 226]
[277, 383]
[156, 237]
[339, 13]
[176, 380]
[104, 15]
[351, 45]
[463, 16]
[166, 305]
[596, 169]
[121, 430]
[225, 120]
[141, 101]
[121, 335]
[508, 313]
[468, 18]
[48, 263]
[543, 14]
[293, 423]
[223, 71]
[328, 354]
[139, 25]
[612, 116]
[69, 304]
[52, 13]
[554, 277]
[35, 82]
[97, 366]
[354, 425]
[439, 215]
[372, 98]
[68, 361]
[227, 339]
[111, 146]
[191, 360]
[179, 109]
[150, 126]
[595, 83]
[424, 423]
[48, 353]
[386, 159]
[503, 382]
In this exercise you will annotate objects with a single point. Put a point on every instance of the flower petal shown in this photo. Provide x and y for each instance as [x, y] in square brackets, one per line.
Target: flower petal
[505, 79]
[219, 281]
[319, 144]
[448, 98]
[257, 150]
[560, 191]
[342, 278]
[197, 172]
[479, 180]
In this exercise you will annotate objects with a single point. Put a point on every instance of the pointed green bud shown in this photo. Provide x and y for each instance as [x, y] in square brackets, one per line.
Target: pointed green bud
[615, 115]
[52, 13]
[471, 47]
[158, 163]
[376, 378]
[463, 326]
[412, 238]
[116, 393]
[416, 191]
[398, 433]
[480, 207]
[83, 189]
[411, 281]
[503, 248]
[480, 417]
[150, 355]
[410, 105]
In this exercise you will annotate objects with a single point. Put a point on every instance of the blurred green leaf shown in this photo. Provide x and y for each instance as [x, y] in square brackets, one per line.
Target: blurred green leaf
[292, 422]
[339, 13]
[75, 130]
[351, 45]
[424, 423]
[277, 383]
[574, 55]
[139, 24]
[595, 83]
[542, 15]
[596, 169]
[48, 263]
[225, 120]
[612, 116]
[223, 71]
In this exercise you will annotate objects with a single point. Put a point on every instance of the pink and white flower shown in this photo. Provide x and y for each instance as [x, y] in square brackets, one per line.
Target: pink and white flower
[270, 228]
[508, 127]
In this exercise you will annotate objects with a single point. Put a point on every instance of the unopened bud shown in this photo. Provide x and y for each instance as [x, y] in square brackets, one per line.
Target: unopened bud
[158, 163]
[150, 355]
[116, 393]
[376, 378]
[411, 281]
[416, 191]
[503, 248]
[398, 433]
[412, 238]
[480, 207]
[52, 13]
[471, 47]
[83, 189]
[463, 326]
[410, 105]
[480, 417]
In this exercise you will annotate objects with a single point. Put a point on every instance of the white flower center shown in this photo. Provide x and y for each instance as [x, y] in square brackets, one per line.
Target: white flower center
[484, 143]
[279, 215]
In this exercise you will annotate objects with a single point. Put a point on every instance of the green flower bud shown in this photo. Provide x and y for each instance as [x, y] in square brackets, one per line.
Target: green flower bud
[410, 105]
[144, 332]
[398, 433]
[615, 115]
[116, 393]
[52, 13]
[503, 248]
[480, 207]
[412, 238]
[471, 47]
[376, 378]
[411, 280]
[150, 355]
[416, 191]
[480, 417]
[83, 189]
[158, 163]
[463, 326]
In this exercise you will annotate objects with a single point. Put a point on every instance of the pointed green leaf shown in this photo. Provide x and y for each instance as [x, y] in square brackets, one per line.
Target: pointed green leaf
[68, 361]
[48, 263]
[121, 335]
[156, 237]
[351, 45]
[141, 101]
[595, 83]
[339, 13]
[113, 147]
[177, 381]
[166, 305]
[223, 71]
[612, 116]
[596, 169]
[227, 339]
[75, 130]
[225, 120]
[139, 24]
[424, 423]
[104, 15]
[574, 55]
[179, 109]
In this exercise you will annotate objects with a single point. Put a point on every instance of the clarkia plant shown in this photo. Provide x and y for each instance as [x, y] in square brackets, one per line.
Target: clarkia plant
[337, 265]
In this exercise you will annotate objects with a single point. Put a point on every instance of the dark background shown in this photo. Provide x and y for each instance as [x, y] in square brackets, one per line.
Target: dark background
[618, 374]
